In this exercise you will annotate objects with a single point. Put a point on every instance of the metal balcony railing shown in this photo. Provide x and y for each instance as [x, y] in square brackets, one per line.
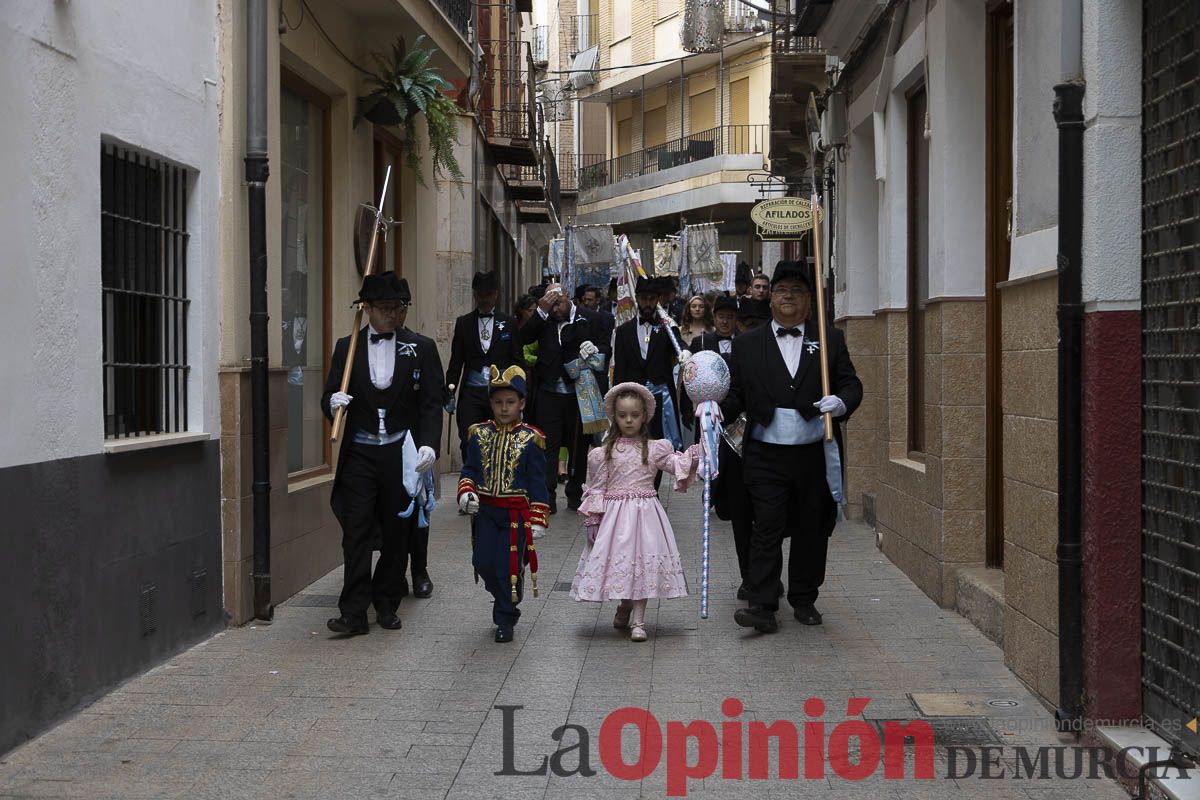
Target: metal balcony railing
[507, 102]
[541, 45]
[782, 40]
[724, 140]
[458, 12]
[581, 32]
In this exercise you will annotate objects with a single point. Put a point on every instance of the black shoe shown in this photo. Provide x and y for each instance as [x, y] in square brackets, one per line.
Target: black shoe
[422, 586]
[741, 592]
[389, 621]
[563, 478]
[504, 633]
[761, 619]
[807, 615]
[346, 627]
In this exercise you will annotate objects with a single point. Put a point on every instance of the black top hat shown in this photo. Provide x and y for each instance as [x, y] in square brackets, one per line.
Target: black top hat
[743, 273]
[384, 286]
[750, 309]
[792, 270]
[725, 303]
[485, 282]
[651, 285]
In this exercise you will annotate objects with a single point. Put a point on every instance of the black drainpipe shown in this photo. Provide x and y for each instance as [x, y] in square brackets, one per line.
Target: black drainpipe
[257, 170]
[1068, 113]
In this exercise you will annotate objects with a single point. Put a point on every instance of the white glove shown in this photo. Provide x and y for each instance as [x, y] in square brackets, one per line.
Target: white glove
[538, 531]
[685, 356]
[587, 350]
[469, 503]
[339, 400]
[831, 404]
[426, 458]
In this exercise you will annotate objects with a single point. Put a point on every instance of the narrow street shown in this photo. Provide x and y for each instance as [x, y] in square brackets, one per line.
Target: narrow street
[286, 711]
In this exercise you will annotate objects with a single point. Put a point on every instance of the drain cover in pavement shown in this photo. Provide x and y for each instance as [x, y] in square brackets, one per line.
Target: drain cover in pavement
[954, 731]
[562, 586]
[314, 601]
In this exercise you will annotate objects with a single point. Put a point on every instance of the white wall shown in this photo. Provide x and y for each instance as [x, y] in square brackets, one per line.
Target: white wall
[875, 250]
[71, 73]
[1112, 167]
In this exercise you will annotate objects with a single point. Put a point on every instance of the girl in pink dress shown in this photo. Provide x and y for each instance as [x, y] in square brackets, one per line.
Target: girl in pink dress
[630, 554]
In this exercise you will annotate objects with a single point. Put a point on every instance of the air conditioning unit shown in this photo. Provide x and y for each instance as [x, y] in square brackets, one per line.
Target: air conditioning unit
[833, 121]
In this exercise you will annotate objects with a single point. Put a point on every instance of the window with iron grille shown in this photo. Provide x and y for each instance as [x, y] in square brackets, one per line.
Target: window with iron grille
[143, 267]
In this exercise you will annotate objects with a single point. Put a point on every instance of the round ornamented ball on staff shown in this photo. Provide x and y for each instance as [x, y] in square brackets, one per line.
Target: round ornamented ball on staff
[706, 377]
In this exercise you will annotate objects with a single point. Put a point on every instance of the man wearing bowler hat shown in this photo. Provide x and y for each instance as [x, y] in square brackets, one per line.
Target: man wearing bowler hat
[775, 378]
[393, 403]
[483, 338]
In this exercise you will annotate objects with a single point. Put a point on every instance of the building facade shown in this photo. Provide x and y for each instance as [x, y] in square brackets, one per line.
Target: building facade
[324, 165]
[662, 137]
[994, 278]
[109, 452]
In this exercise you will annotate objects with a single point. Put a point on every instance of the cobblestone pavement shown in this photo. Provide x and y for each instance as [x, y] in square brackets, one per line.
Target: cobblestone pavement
[286, 711]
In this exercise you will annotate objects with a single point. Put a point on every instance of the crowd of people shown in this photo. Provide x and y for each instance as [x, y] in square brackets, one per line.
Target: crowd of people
[534, 409]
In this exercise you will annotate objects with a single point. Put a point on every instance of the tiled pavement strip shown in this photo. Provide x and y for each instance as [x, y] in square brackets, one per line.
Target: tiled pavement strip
[286, 711]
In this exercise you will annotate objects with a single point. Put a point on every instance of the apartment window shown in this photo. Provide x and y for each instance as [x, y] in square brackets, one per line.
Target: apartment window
[625, 136]
[305, 220]
[144, 303]
[622, 13]
[918, 264]
[702, 111]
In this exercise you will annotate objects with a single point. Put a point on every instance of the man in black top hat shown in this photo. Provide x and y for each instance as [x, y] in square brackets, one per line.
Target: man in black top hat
[395, 394]
[564, 332]
[482, 339]
[775, 378]
[643, 353]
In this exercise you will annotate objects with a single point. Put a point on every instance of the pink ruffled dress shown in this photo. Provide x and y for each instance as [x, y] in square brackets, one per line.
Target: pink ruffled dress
[634, 556]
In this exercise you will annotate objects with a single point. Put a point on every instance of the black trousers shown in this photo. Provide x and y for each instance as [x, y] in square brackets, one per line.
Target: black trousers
[558, 418]
[731, 500]
[791, 498]
[472, 407]
[418, 551]
[370, 497]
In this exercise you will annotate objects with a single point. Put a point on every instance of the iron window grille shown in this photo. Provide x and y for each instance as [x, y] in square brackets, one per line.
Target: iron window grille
[143, 265]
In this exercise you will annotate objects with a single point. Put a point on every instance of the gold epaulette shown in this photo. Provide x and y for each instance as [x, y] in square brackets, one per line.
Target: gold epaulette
[471, 430]
[539, 438]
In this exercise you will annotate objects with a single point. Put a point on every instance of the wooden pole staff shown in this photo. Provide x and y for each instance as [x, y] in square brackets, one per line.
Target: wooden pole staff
[819, 290]
[339, 416]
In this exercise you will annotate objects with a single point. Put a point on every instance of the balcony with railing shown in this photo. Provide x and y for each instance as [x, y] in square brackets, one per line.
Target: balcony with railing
[580, 32]
[458, 12]
[783, 42]
[596, 171]
[507, 106]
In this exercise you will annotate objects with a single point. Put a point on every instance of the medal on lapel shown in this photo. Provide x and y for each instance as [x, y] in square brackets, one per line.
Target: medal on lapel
[811, 346]
[416, 380]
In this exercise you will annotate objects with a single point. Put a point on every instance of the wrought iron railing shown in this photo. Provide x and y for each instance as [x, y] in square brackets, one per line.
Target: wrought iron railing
[507, 104]
[458, 12]
[724, 140]
[782, 39]
[581, 32]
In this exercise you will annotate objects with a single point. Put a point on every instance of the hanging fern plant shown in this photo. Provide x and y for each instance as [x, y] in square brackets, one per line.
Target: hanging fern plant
[407, 86]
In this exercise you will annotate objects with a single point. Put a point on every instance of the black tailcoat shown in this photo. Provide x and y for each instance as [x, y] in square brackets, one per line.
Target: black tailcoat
[760, 383]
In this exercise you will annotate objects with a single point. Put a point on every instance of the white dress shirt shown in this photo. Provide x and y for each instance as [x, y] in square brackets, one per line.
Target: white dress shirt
[790, 346]
[381, 356]
[725, 346]
[486, 326]
[645, 331]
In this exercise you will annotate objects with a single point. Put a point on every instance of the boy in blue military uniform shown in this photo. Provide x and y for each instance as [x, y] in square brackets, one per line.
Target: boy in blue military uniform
[503, 485]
